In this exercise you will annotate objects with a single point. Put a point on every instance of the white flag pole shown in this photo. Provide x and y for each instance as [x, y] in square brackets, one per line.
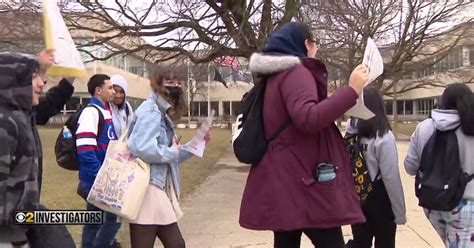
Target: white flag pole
[208, 91]
[189, 95]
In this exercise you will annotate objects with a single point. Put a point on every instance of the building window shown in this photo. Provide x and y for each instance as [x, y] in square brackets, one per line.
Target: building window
[215, 106]
[408, 76]
[408, 107]
[400, 107]
[235, 108]
[199, 109]
[452, 60]
[424, 106]
[137, 70]
[203, 109]
[195, 109]
[73, 104]
[471, 56]
[428, 70]
[389, 107]
[85, 101]
[405, 107]
[226, 108]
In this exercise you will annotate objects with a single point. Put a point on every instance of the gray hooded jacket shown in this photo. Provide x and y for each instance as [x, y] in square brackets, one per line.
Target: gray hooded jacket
[442, 120]
[382, 156]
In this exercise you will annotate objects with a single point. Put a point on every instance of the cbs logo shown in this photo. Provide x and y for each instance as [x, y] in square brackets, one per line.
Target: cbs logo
[24, 217]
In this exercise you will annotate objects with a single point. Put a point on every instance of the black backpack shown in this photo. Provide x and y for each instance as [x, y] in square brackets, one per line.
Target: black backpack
[249, 142]
[440, 181]
[65, 148]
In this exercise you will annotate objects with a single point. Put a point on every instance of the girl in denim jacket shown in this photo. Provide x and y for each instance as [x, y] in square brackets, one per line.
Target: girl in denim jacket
[152, 138]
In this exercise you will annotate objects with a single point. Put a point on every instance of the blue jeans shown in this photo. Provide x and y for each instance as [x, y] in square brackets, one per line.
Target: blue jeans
[100, 236]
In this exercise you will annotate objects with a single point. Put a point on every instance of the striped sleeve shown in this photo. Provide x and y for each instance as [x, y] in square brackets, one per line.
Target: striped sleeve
[86, 141]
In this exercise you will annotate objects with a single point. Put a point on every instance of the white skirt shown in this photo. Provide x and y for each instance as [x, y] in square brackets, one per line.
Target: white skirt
[159, 207]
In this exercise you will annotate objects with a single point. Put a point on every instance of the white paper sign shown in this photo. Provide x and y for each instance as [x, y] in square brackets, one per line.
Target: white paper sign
[360, 110]
[374, 62]
[68, 61]
[197, 144]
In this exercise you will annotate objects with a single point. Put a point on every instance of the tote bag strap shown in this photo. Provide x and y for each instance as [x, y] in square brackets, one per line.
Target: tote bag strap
[124, 136]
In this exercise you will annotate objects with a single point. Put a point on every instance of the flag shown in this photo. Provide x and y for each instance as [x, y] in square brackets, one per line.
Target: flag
[241, 75]
[227, 61]
[218, 77]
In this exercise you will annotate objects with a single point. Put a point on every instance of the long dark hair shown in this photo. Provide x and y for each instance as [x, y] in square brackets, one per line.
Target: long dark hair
[459, 97]
[379, 123]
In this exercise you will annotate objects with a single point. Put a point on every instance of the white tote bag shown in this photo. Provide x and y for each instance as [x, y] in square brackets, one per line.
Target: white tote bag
[122, 181]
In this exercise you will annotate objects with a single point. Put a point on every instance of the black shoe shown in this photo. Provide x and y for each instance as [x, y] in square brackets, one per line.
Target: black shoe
[116, 244]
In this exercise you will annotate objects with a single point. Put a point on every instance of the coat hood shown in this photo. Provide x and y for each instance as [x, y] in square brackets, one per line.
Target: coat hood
[120, 81]
[16, 79]
[445, 120]
[265, 64]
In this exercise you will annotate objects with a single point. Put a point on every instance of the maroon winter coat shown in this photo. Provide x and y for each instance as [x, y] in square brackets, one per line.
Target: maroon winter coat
[280, 193]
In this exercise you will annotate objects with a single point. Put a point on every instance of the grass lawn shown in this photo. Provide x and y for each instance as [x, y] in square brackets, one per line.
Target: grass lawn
[405, 128]
[59, 185]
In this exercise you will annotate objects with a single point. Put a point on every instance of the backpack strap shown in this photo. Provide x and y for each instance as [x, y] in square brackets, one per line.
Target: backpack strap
[127, 111]
[101, 119]
[470, 177]
[357, 143]
[281, 129]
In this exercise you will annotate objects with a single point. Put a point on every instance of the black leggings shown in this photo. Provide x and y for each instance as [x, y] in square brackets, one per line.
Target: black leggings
[143, 236]
[380, 221]
[321, 238]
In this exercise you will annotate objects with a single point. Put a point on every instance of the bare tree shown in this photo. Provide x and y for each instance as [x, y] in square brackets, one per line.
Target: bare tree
[199, 30]
[409, 33]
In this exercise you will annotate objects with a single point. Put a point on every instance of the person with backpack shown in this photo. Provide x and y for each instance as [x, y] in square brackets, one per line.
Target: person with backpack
[153, 139]
[374, 159]
[91, 147]
[441, 155]
[122, 112]
[303, 182]
[22, 79]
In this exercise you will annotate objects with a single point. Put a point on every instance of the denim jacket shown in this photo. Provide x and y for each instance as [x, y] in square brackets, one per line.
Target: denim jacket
[150, 138]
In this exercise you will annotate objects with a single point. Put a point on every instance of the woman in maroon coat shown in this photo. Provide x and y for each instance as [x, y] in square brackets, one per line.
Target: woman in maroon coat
[303, 184]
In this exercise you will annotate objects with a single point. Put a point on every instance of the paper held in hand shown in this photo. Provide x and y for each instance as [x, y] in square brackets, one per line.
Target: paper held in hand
[68, 61]
[197, 145]
[374, 63]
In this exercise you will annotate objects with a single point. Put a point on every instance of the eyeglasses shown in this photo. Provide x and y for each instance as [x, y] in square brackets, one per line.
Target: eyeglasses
[316, 41]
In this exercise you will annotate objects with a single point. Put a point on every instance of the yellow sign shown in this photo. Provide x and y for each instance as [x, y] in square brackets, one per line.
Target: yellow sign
[68, 61]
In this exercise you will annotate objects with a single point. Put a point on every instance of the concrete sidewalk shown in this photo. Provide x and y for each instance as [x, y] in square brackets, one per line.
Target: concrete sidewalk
[211, 213]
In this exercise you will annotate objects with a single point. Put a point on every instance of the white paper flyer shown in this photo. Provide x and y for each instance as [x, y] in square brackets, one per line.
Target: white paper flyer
[374, 62]
[197, 144]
